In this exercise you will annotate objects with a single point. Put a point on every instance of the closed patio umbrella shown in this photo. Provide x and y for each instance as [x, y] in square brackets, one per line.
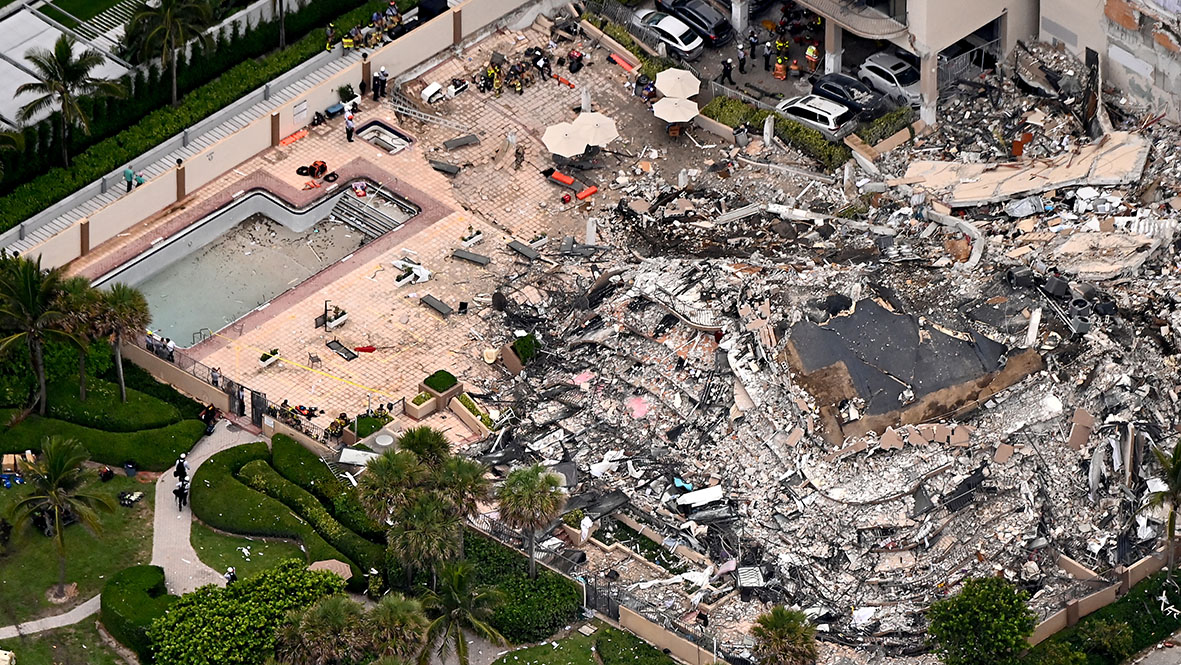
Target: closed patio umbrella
[673, 109]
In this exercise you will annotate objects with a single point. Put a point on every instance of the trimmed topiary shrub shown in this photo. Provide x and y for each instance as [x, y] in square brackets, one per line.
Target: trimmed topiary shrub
[441, 381]
[131, 601]
[302, 467]
[526, 348]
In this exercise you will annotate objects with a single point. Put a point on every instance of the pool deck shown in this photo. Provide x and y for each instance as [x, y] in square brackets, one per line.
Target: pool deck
[412, 339]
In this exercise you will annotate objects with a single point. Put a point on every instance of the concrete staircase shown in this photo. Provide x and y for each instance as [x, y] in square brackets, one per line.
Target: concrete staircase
[115, 18]
[366, 218]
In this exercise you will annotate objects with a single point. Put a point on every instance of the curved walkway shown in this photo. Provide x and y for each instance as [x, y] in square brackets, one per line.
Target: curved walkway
[171, 549]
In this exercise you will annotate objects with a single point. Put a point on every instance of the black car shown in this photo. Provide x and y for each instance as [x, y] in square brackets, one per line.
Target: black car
[706, 21]
[869, 103]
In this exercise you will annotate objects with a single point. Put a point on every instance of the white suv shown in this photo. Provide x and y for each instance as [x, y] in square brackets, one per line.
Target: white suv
[834, 120]
[893, 77]
[679, 38]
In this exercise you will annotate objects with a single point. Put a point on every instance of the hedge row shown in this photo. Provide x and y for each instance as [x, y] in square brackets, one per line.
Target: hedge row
[103, 409]
[733, 112]
[131, 601]
[260, 476]
[302, 467]
[111, 153]
[887, 125]
[533, 609]
[150, 450]
[223, 502]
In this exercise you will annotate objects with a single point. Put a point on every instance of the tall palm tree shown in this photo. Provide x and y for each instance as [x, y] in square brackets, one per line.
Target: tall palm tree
[424, 535]
[429, 444]
[10, 141]
[168, 27]
[1170, 496]
[396, 627]
[784, 637]
[126, 313]
[462, 483]
[80, 303]
[459, 605]
[30, 312]
[531, 498]
[327, 633]
[389, 483]
[64, 79]
[57, 482]
[282, 23]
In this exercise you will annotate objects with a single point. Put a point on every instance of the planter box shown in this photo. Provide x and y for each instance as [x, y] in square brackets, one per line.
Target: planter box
[404, 280]
[420, 411]
[724, 132]
[469, 419]
[474, 240]
[511, 362]
[442, 397]
[269, 361]
[336, 323]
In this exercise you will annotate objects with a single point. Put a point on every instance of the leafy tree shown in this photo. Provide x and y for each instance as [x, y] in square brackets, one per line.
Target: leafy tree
[57, 479]
[425, 534]
[30, 312]
[784, 637]
[427, 443]
[390, 483]
[168, 26]
[10, 141]
[1111, 640]
[396, 627]
[1057, 653]
[986, 623]
[530, 499]
[80, 302]
[327, 633]
[126, 313]
[462, 484]
[63, 80]
[1170, 496]
[459, 605]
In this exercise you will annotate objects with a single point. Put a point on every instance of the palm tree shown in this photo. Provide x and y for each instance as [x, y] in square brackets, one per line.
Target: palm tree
[64, 79]
[424, 535]
[784, 637]
[389, 483]
[461, 482]
[460, 605]
[1171, 495]
[396, 627]
[168, 27]
[327, 633]
[57, 482]
[126, 312]
[429, 444]
[80, 302]
[30, 311]
[10, 141]
[531, 498]
[282, 24]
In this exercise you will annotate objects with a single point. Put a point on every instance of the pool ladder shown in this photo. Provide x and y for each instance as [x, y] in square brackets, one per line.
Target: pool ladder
[202, 335]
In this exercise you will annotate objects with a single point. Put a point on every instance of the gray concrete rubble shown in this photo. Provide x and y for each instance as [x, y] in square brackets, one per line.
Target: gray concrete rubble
[850, 394]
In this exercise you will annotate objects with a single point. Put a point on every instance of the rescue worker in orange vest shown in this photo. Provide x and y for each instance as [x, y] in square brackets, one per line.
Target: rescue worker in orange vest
[780, 68]
[813, 57]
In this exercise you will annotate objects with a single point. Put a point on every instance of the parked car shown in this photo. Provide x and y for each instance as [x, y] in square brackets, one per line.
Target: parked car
[706, 21]
[891, 76]
[679, 38]
[846, 90]
[832, 119]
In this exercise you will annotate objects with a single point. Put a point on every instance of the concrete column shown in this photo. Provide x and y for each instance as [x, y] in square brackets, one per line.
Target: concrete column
[1125, 579]
[834, 46]
[275, 138]
[367, 74]
[457, 25]
[1072, 613]
[740, 17]
[929, 86]
[85, 233]
[180, 182]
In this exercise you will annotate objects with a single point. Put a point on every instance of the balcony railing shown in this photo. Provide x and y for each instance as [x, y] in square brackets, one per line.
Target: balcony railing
[884, 19]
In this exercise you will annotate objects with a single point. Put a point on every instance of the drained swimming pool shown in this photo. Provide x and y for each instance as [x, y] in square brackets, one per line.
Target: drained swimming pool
[240, 258]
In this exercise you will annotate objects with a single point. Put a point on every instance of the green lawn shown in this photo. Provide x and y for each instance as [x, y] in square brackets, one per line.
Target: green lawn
[219, 551]
[573, 650]
[611, 646]
[30, 567]
[79, 644]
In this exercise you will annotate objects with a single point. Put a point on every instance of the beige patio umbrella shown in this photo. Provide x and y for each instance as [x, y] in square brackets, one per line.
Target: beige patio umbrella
[333, 565]
[674, 109]
[677, 83]
[563, 140]
[596, 128]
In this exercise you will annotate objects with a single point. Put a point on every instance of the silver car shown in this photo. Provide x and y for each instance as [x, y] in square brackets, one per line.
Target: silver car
[832, 119]
[892, 77]
[678, 37]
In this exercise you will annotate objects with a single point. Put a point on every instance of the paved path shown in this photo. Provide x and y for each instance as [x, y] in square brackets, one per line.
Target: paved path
[171, 549]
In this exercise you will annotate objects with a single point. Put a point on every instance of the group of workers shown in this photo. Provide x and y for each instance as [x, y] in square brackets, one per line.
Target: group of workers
[516, 76]
[381, 25]
[796, 26]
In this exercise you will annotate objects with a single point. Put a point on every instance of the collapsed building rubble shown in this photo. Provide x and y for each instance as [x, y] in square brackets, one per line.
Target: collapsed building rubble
[849, 397]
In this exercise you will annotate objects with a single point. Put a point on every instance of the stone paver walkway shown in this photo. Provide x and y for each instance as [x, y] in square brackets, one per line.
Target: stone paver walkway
[171, 549]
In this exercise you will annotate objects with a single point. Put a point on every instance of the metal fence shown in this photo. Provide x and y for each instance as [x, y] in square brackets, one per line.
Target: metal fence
[625, 18]
[969, 64]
